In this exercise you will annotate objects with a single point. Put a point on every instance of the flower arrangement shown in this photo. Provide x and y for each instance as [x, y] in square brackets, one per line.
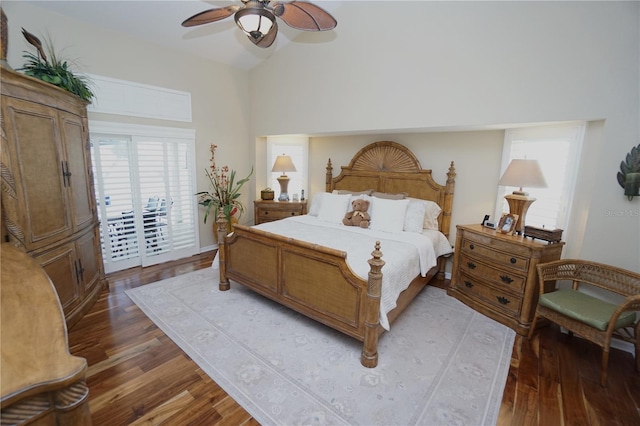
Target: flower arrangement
[225, 191]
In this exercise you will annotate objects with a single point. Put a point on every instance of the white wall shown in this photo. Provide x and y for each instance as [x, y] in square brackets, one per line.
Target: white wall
[219, 111]
[400, 70]
[395, 67]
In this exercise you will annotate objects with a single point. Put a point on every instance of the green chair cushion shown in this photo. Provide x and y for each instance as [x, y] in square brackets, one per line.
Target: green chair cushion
[587, 309]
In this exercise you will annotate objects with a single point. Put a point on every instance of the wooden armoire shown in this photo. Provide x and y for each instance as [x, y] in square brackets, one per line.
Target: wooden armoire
[48, 202]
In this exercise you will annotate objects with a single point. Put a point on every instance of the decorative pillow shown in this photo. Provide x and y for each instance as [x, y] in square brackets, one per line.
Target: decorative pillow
[348, 191]
[334, 207]
[414, 217]
[431, 213]
[388, 215]
[316, 202]
[385, 195]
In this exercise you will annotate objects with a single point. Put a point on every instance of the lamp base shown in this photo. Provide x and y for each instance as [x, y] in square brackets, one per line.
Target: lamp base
[284, 184]
[519, 204]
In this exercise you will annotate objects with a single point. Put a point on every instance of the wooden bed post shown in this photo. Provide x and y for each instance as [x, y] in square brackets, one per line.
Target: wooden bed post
[446, 217]
[369, 357]
[222, 234]
[328, 176]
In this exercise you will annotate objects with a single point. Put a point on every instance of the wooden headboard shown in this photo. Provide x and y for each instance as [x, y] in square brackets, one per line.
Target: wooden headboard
[387, 166]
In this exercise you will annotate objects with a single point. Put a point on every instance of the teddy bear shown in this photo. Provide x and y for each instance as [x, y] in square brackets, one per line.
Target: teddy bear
[358, 216]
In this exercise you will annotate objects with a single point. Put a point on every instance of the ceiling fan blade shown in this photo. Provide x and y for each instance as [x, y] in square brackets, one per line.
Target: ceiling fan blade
[210, 15]
[267, 40]
[304, 16]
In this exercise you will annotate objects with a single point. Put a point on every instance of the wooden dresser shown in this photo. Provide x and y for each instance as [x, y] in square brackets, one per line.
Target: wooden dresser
[48, 202]
[268, 211]
[495, 274]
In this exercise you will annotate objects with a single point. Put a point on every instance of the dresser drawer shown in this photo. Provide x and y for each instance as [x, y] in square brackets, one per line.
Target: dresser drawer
[491, 274]
[476, 289]
[475, 249]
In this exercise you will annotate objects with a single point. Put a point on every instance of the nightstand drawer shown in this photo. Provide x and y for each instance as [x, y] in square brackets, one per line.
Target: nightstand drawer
[267, 215]
[502, 300]
[510, 260]
[491, 274]
[268, 211]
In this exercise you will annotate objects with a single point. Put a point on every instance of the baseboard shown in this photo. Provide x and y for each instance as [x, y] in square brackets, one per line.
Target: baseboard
[208, 248]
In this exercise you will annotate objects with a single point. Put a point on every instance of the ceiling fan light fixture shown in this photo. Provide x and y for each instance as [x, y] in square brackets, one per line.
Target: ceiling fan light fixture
[256, 22]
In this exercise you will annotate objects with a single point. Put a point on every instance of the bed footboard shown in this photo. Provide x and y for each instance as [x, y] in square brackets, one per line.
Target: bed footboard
[313, 280]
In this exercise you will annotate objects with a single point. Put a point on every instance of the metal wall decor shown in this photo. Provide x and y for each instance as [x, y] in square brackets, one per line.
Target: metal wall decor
[629, 174]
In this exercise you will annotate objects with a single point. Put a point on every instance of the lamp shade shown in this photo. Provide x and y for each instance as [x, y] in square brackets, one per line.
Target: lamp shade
[523, 173]
[283, 164]
[255, 21]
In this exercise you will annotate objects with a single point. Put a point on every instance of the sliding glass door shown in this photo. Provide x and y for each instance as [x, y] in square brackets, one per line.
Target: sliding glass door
[144, 189]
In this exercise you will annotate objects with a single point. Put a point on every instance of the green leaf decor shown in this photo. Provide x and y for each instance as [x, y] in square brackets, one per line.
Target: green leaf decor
[53, 70]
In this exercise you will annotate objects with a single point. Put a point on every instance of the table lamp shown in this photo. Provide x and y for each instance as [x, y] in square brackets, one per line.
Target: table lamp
[522, 173]
[283, 164]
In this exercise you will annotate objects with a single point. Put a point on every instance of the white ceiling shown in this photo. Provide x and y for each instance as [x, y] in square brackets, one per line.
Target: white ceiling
[158, 21]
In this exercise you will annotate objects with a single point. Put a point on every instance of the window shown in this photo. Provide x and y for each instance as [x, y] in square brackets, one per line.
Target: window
[297, 147]
[557, 149]
[144, 184]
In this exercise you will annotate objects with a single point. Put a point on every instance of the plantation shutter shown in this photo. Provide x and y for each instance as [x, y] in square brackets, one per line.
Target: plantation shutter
[144, 189]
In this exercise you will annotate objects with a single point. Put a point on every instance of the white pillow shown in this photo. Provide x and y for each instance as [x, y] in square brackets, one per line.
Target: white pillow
[414, 217]
[334, 207]
[388, 215]
[432, 211]
[316, 202]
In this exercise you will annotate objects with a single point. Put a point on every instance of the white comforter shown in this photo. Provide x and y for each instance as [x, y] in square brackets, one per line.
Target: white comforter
[405, 254]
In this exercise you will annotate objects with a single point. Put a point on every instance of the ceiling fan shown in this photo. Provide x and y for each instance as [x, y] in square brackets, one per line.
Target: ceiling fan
[257, 18]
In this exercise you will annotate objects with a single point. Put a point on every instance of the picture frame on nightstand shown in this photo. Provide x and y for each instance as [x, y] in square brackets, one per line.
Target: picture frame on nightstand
[507, 224]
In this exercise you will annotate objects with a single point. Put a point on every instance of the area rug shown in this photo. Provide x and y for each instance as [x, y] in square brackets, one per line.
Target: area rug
[442, 363]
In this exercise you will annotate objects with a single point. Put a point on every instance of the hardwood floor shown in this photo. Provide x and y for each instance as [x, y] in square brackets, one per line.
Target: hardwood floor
[137, 375]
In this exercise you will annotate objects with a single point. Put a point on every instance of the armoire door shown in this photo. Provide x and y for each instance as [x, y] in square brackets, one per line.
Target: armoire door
[79, 184]
[38, 163]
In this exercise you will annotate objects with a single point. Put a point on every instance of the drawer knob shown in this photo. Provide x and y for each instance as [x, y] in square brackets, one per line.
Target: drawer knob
[471, 246]
[502, 300]
[266, 213]
[513, 260]
[506, 279]
[293, 213]
[471, 265]
[468, 284]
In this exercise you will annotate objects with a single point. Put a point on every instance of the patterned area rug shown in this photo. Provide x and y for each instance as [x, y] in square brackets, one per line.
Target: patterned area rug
[442, 363]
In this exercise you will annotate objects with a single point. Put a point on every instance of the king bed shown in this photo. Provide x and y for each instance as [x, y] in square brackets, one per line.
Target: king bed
[334, 273]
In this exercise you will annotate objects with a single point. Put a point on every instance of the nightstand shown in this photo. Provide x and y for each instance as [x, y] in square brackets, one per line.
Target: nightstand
[495, 274]
[268, 211]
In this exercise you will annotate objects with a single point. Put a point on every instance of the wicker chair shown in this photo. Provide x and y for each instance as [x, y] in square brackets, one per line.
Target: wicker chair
[585, 315]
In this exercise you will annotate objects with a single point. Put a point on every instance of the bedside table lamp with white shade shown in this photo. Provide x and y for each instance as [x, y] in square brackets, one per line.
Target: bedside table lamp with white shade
[522, 174]
[283, 164]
